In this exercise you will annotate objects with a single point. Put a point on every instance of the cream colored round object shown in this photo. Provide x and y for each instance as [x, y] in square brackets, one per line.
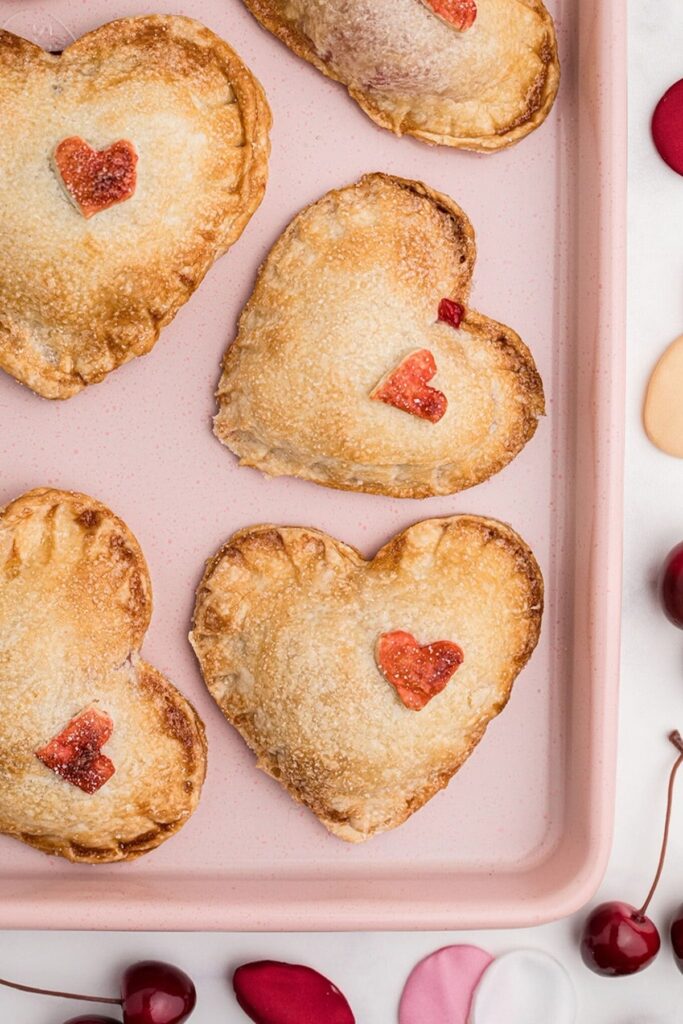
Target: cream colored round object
[525, 986]
[663, 413]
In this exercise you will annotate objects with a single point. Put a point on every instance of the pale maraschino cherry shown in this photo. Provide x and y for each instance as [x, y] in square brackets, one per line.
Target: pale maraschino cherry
[671, 586]
[617, 938]
[152, 992]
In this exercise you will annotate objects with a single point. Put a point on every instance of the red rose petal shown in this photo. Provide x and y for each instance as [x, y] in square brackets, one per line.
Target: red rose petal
[451, 312]
[75, 754]
[96, 180]
[461, 14]
[275, 993]
[417, 673]
[667, 127]
[406, 387]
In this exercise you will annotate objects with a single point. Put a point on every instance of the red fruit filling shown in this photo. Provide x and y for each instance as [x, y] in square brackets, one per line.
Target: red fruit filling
[406, 387]
[75, 754]
[451, 312]
[416, 673]
[96, 180]
[461, 14]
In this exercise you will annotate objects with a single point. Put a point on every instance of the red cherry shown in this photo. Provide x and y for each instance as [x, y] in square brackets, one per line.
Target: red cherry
[87, 1019]
[671, 586]
[677, 937]
[153, 992]
[618, 940]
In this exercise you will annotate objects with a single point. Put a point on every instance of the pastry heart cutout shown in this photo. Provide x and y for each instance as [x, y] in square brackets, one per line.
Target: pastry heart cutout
[285, 628]
[167, 146]
[75, 604]
[76, 753]
[95, 180]
[417, 673]
[355, 285]
[460, 14]
[427, 68]
[407, 387]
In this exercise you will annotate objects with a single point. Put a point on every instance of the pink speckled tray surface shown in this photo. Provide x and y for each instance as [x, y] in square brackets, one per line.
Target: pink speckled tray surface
[522, 833]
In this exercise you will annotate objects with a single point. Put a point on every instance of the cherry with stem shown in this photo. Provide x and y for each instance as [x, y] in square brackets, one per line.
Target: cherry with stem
[152, 992]
[617, 938]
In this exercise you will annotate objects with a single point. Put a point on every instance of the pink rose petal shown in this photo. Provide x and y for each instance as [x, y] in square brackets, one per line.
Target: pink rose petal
[439, 990]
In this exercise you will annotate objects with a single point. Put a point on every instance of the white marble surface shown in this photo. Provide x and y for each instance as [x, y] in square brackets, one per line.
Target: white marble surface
[371, 968]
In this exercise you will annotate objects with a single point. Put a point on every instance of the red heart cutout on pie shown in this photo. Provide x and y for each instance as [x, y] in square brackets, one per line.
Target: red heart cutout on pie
[461, 14]
[96, 179]
[417, 673]
[407, 389]
[76, 753]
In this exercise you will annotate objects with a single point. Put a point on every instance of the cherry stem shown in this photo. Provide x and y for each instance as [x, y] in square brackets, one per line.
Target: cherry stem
[61, 995]
[677, 740]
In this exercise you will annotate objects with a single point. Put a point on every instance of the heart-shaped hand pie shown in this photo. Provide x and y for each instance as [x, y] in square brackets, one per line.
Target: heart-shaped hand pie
[285, 629]
[358, 282]
[477, 75]
[101, 759]
[131, 162]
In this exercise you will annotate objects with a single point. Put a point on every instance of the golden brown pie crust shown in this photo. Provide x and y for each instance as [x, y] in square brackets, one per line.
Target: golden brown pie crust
[79, 297]
[75, 604]
[285, 628]
[352, 287]
[483, 89]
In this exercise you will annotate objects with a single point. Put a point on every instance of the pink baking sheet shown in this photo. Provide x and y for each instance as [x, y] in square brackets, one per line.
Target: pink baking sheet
[522, 833]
